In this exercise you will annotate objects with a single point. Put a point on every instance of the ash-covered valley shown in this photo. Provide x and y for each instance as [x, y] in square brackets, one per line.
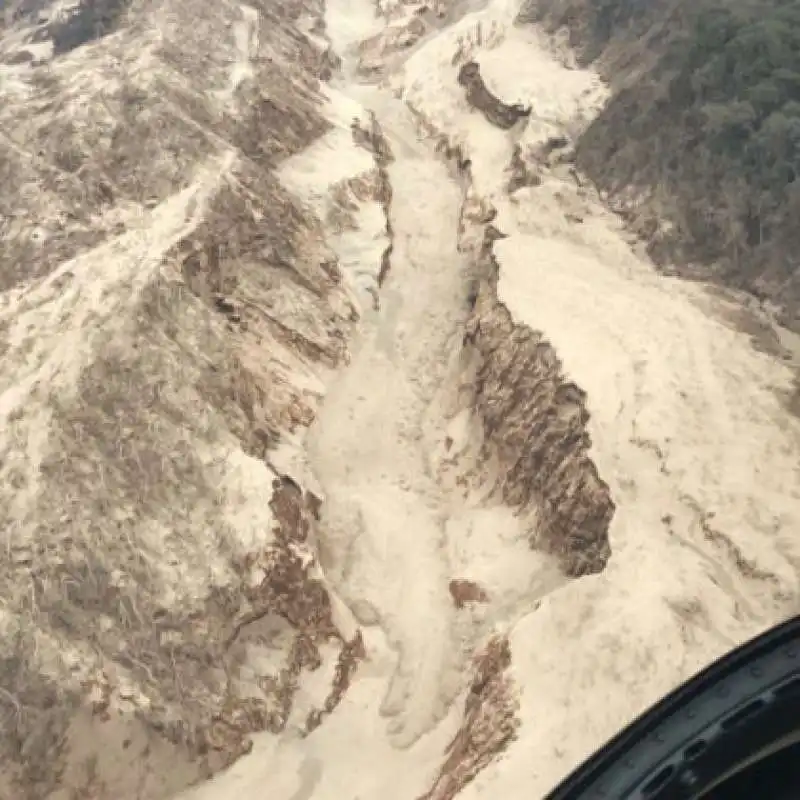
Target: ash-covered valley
[350, 446]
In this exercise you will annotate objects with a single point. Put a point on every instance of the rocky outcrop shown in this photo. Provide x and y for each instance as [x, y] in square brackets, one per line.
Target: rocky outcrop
[520, 172]
[535, 432]
[479, 97]
[396, 38]
[533, 451]
[533, 418]
[465, 592]
[284, 584]
[489, 724]
[371, 136]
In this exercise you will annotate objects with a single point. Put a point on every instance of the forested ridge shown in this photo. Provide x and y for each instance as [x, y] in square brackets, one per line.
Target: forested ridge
[703, 131]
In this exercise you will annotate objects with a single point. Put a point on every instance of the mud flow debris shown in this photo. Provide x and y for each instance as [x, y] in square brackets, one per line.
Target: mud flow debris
[348, 449]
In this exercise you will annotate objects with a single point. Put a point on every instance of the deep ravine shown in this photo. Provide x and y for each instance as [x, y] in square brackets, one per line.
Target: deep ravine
[384, 529]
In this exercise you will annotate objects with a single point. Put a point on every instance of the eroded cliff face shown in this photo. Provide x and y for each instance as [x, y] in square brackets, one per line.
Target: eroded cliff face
[527, 447]
[534, 448]
[497, 112]
[534, 423]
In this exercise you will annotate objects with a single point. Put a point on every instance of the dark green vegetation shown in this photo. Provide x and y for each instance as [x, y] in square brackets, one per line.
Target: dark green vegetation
[92, 19]
[83, 23]
[703, 131]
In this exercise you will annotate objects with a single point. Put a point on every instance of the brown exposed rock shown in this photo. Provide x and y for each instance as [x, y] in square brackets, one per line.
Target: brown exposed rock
[465, 592]
[352, 653]
[371, 136]
[398, 36]
[490, 722]
[329, 64]
[534, 419]
[551, 145]
[287, 590]
[535, 426]
[521, 173]
[479, 97]
[137, 586]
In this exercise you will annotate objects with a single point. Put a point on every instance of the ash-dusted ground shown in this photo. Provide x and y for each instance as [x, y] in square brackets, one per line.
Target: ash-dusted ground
[348, 449]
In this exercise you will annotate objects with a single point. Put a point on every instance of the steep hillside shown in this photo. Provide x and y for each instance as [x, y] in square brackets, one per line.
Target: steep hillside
[195, 229]
[167, 312]
[699, 146]
[346, 448]
[524, 371]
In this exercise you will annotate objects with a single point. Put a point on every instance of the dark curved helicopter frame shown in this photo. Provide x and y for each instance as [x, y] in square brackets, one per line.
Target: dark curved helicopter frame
[729, 718]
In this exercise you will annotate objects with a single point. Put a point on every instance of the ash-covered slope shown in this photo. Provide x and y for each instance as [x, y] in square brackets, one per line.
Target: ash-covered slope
[192, 227]
[570, 385]
[687, 421]
[333, 425]
[167, 311]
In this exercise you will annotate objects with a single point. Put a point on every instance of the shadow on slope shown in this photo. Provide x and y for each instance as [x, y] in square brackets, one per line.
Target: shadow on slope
[90, 20]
